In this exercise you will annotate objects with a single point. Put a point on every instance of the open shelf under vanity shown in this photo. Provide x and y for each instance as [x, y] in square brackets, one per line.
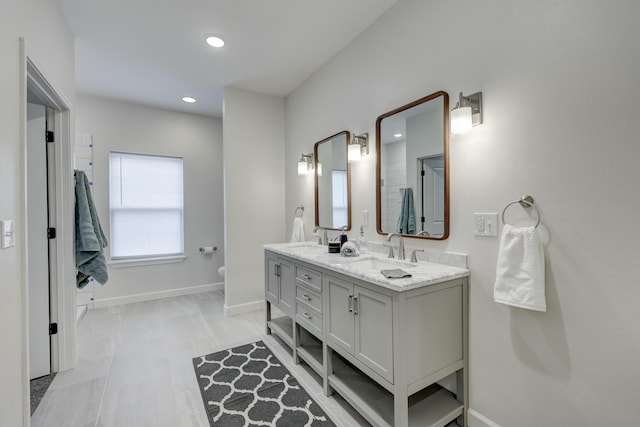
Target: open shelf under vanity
[431, 406]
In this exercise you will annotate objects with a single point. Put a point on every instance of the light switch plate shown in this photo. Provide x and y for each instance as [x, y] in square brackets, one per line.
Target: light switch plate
[365, 219]
[485, 224]
[8, 233]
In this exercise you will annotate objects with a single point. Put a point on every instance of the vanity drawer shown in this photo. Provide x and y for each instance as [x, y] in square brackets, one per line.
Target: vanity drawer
[309, 277]
[308, 297]
[308, 317]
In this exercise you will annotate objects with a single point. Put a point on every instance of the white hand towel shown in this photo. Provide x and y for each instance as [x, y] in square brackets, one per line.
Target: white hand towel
[349, 249]
[298, 234]
[520, 269]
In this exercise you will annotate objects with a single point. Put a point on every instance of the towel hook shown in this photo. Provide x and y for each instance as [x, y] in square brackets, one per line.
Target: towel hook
[525, 201]
[301, 209]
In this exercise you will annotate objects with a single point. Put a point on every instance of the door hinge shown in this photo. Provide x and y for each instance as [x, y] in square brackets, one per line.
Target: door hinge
[51, 233]
[53, 328]
[422, 172]
[49, 136]
[422, 219]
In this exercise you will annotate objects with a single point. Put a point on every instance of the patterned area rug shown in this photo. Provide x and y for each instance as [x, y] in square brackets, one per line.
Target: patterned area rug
[248, 386]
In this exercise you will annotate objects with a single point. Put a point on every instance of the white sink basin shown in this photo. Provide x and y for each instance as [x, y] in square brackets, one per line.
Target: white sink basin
[375, 264]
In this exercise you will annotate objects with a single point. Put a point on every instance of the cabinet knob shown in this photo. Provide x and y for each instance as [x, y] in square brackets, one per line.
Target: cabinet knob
[307, 297]
[306, 276]
[305, 314]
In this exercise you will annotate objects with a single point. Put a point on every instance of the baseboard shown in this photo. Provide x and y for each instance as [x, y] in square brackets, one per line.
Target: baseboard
[476, 419]
[243, 308]
[150, 296]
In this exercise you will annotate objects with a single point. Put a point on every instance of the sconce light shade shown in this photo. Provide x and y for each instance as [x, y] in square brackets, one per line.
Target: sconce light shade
[358, 147]
[354, 152]
[302, 167]
[460, 120]
[467, 113]
[305, 163]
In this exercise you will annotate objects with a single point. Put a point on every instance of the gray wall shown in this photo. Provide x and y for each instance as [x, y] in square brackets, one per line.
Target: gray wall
[50, 44]
[560, 84]
[254, 192]
[119, 126]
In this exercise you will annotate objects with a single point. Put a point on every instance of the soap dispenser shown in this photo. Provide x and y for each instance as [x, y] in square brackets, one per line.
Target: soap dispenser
[343, 236]
[361, 243]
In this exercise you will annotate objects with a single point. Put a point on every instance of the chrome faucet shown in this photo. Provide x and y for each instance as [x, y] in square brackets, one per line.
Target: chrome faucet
[423, 233]
[324, 239]
[400, 244]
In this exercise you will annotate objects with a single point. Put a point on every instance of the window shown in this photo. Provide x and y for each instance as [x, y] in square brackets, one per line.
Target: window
[146, 206]
[340, 198]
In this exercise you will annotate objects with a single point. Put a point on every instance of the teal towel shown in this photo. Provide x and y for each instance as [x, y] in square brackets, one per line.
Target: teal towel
[407, 218]
[90, 239]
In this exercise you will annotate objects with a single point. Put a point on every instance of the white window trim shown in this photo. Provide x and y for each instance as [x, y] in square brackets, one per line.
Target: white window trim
[137, 262]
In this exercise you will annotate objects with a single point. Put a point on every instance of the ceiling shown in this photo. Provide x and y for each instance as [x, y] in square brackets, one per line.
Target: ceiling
[153, 52]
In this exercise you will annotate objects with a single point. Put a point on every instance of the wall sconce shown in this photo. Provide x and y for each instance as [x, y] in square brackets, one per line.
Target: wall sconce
[305, 163]
[466, 113]
[358, 147]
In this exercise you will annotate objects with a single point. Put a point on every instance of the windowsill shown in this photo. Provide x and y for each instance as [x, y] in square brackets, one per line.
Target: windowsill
[146, 261]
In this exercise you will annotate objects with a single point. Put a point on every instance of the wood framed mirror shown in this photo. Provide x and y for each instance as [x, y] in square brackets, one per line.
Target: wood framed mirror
[332, 182]
[412, 169]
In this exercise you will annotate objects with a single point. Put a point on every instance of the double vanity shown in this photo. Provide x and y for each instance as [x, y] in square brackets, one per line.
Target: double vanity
[395, 349]
[383, 344]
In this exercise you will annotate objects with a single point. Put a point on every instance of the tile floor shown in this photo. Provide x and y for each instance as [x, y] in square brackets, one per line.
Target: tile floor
[134, 365]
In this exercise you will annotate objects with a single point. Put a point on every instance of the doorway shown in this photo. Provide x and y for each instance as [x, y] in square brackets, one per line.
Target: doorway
[48, 271]
[431, 170]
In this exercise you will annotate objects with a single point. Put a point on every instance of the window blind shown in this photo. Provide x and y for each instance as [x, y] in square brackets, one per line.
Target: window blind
[146, 205]
[340, 197]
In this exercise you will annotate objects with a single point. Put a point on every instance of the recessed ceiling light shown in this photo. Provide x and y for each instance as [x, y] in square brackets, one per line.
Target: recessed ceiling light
[397, 135]
[214, 40]
[188, 99]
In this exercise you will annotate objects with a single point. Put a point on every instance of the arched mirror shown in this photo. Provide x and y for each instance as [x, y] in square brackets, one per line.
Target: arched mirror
[412, 170]
[332, 182]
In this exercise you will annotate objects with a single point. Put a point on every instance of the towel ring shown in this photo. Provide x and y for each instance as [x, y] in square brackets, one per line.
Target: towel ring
[301, 209]
[525, 201]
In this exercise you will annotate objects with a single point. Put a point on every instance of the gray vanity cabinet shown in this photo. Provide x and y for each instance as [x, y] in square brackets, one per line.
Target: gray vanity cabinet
[398, 356]
[280, 288]
[360, 321]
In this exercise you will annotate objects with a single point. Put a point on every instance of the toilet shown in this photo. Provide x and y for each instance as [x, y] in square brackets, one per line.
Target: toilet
[221, 272]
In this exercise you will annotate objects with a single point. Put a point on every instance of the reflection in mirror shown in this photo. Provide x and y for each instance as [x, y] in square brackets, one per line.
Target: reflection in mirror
[412, 188]
[333, 185]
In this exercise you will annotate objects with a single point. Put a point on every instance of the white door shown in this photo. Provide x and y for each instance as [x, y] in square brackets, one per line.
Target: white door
[432, 210]
[38, 243]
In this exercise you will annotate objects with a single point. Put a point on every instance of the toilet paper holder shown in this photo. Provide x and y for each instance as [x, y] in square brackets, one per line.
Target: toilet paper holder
[208, 250]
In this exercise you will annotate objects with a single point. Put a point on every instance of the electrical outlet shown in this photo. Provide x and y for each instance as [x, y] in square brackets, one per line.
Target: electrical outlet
[8, 233]
[485, 224]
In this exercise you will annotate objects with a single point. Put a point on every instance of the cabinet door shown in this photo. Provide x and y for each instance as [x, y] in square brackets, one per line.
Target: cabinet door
[287, 292]
[374, 331]
[272, 280]
[340, 315]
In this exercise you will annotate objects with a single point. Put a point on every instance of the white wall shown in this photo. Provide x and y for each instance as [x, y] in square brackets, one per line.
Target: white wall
[560, 87]
[254, 192]
[119, 126]
[50, 44]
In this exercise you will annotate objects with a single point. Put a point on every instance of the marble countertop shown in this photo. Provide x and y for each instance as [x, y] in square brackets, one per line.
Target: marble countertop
[367, 266]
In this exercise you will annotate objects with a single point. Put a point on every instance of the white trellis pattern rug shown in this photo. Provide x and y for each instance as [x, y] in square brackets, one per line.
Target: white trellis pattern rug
[248, 386]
